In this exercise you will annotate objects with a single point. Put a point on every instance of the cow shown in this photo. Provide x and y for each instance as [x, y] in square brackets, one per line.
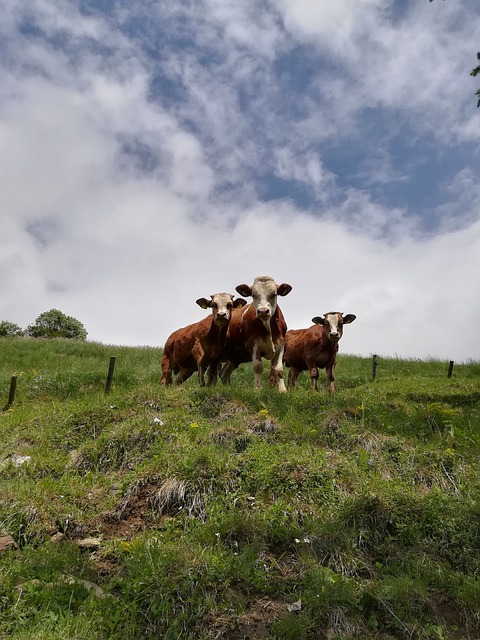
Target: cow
[257, 331]
[315, 348]
[199, 346]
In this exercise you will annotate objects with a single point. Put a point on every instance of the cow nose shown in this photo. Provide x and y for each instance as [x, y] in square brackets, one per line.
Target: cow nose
[334, 335]
[263, 311]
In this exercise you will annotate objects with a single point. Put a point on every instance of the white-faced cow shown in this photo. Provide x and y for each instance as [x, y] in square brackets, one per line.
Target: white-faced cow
[315, 348]
[257, 331]
[200, 346]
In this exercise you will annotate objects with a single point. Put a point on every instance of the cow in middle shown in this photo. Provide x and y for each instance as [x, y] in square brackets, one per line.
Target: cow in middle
[257, 331]
[315, 348]
[200, 346]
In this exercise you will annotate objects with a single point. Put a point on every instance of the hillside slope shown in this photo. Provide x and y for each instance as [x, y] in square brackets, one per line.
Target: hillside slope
[194, 513]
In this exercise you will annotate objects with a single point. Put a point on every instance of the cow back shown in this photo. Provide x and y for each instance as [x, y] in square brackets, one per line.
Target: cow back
[307, 347]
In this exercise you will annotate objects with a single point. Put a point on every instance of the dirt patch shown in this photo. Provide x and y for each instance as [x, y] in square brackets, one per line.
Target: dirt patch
[110, 526]
[255, 622]
[133, 514]
[148, 503]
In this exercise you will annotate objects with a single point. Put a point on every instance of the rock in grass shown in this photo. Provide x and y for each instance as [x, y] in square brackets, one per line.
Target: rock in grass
[89, 543]
[7, 543]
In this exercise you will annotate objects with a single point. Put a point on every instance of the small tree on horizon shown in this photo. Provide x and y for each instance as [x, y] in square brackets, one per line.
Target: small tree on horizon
[55, 324]
[10, 329]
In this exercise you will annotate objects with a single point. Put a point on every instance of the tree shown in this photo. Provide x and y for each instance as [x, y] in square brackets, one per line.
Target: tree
[9, 329]
[55, 324]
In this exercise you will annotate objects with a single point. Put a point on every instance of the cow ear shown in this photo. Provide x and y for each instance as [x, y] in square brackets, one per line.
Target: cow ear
[283, 289]
[204, 303]
[318, 320]
[244, 290]
[350, 317]
[239, 302]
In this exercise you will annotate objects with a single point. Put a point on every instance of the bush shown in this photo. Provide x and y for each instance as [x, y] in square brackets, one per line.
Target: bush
[9, 329]
[55, 324]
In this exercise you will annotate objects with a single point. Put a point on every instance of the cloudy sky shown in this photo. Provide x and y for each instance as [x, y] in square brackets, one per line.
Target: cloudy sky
[154, 152]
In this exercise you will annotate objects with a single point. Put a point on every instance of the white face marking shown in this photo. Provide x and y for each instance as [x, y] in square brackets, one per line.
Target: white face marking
[333, 326]
[222, 308]
[264, 294]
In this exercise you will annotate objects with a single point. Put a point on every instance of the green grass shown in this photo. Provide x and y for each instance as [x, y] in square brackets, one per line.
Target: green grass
[234, 513]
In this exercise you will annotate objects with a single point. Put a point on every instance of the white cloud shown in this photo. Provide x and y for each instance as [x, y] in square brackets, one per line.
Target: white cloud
[305, 168]
[121, 206]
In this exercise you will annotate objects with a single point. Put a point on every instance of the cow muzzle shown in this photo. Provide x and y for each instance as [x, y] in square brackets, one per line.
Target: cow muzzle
[221, 319]
[263, 313]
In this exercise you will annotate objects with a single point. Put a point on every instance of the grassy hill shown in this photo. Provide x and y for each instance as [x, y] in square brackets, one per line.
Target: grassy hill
[225, 513]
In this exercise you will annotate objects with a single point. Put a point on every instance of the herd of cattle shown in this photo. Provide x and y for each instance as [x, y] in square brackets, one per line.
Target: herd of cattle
[237, 332]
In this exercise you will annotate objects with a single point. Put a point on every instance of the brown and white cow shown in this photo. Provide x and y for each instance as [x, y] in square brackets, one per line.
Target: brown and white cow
[257, 331]
[315, 348]
[200, 346]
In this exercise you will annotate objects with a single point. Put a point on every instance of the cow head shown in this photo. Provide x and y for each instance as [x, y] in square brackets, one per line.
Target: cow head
[221, 305]
[333, 323]
[264, 292]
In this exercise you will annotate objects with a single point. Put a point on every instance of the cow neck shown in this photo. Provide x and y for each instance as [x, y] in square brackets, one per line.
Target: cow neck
[272, 323]
[330, 345]
[217, 333]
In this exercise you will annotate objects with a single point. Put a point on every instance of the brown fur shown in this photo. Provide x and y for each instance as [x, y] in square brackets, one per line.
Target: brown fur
[312, 349]
[197, 347]
[249, 338]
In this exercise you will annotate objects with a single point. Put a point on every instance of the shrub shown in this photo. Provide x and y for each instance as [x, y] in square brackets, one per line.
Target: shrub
[55, 324]
[9, 329]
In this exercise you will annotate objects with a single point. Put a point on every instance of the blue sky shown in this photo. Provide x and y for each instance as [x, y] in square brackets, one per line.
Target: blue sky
[154, 152]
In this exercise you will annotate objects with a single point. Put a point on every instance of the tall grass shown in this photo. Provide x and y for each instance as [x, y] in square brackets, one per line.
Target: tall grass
[234, 513]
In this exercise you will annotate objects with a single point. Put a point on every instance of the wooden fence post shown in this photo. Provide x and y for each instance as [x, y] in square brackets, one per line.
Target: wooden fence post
[111, 367]
[374, 367]
[11, 393]
[450, 368]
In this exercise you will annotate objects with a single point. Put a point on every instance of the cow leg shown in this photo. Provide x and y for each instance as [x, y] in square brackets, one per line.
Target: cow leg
[198, 353]
[330, 379]
[201, 376]
[277, 366]
[212, 374]
[183, 375]
[226, 372]
[314, 378]
[257, 370]
[271, 377]
[292, 376]
[166, 369]
[166, 376]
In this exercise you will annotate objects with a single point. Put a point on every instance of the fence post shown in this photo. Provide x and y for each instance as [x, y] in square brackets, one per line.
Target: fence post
[374, 367]
[11, 393]
[111, 367]
[450, 368]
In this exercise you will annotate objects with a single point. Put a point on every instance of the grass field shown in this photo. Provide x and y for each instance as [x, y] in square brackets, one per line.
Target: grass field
[228, 513]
